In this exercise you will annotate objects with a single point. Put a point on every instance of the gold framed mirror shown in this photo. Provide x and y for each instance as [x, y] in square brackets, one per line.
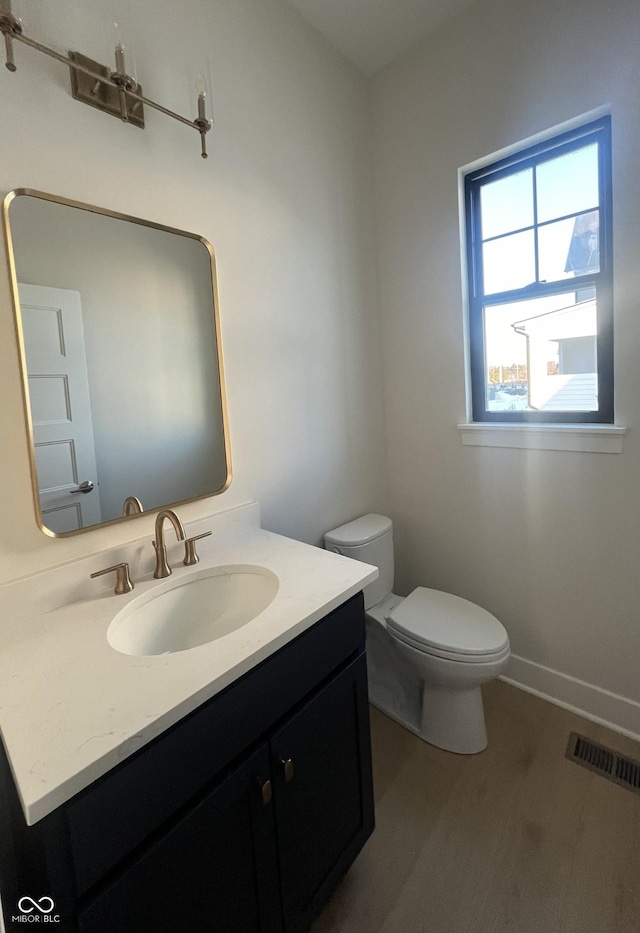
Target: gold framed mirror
[118, 330]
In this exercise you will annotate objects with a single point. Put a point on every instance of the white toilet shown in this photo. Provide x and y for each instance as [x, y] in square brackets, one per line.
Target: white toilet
[428, 653]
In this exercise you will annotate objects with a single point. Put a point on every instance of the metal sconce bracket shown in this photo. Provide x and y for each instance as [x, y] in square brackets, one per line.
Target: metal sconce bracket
[101, 95]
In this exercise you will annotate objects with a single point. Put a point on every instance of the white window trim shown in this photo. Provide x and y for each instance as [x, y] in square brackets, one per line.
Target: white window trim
[589, 438]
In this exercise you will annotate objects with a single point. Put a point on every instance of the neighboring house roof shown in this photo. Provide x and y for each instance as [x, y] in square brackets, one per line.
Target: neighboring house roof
[577, 320]
[584, 253]
[576, 392]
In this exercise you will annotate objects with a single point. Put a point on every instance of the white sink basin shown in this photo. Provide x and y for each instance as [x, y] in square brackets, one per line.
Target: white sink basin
[185, 612]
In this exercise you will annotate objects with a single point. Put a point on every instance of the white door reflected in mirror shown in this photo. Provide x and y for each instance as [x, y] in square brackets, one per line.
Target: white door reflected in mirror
[60, 406]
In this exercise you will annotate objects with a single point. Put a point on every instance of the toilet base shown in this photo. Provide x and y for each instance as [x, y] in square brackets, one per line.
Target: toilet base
[453, 719]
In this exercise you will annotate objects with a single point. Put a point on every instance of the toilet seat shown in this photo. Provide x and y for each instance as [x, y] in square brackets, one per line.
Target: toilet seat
[450, 655]
[448, 626]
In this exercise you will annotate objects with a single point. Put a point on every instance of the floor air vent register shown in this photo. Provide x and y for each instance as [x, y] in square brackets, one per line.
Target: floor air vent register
[605, 761]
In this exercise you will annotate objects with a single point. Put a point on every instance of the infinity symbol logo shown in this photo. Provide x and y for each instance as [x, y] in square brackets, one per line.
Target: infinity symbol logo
[37, 905]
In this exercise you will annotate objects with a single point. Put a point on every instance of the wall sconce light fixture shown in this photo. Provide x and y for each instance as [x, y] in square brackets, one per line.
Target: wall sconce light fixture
[113, 91]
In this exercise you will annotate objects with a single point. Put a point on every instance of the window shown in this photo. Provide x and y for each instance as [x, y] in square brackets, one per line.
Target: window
[540, 282]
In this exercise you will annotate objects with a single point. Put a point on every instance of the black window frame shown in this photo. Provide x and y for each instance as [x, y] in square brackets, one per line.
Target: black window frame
[595, 131]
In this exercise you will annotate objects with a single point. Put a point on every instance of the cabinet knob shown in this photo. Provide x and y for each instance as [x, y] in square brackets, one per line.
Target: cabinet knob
[287, 767]
[265, 790]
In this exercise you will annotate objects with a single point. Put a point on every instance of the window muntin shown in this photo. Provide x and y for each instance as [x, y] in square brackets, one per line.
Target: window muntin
[507, 204]
[539, 265]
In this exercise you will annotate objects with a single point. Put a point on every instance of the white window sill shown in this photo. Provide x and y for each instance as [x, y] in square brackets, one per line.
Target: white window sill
[592, 438]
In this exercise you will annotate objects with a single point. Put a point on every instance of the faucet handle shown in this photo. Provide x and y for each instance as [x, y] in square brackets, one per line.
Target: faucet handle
[190, 555]
[123, 580]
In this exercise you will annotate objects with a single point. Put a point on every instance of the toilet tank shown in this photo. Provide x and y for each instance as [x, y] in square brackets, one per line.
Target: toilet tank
[369, 539]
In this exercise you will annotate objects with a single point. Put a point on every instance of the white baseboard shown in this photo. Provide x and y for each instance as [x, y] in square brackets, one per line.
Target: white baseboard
[608, 709]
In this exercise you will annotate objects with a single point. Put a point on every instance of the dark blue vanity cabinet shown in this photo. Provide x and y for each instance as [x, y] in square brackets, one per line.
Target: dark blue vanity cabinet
[243, 817]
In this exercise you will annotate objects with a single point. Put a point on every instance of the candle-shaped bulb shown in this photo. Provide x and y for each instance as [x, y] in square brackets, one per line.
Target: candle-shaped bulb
[201, 91]
[122, 46]
[120, 63]
[118, 36]
[201, 84]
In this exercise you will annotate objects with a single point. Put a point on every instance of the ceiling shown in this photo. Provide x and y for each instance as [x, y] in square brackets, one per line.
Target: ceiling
[371, 33]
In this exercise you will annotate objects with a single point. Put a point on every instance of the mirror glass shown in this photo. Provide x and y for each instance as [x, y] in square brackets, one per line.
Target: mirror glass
[117, 322]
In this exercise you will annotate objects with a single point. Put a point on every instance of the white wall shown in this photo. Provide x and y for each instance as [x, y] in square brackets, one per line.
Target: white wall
[548, 541]
[285, 199]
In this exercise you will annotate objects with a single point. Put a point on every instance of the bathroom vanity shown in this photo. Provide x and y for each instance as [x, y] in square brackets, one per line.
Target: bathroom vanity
[245, 808]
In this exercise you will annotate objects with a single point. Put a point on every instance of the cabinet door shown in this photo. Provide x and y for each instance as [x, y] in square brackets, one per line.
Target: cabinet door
[321, 764]
[215, 871]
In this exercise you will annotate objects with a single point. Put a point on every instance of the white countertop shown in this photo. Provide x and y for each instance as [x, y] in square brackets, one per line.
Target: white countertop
[71, 707]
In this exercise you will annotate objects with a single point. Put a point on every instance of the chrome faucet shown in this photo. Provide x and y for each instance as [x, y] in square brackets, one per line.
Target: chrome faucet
[162, 567]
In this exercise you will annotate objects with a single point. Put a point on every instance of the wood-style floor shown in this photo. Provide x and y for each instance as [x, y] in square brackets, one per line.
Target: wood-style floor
[515, 840]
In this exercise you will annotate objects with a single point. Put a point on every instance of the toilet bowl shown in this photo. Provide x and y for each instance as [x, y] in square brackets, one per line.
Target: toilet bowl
[429, 653]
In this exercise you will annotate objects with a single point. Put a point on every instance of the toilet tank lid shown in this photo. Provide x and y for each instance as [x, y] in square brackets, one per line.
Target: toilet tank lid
[360, 531]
